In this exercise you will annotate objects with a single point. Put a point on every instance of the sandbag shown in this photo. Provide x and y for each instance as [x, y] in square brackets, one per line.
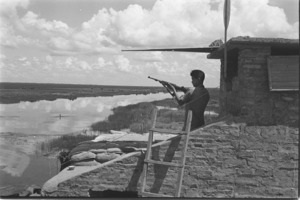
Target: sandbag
[104, 157]
[114, 150]
[83, 156]
[96, 151]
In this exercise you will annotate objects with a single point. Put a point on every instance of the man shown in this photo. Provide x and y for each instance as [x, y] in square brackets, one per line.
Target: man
[194, 99]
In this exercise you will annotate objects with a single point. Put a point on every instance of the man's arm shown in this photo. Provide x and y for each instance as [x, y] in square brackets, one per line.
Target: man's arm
[179, 99]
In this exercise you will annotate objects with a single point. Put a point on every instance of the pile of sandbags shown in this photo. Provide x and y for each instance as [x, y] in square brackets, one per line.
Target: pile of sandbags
[95, 156]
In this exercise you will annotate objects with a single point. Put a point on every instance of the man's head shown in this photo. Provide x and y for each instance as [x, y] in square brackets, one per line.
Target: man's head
[198, 77]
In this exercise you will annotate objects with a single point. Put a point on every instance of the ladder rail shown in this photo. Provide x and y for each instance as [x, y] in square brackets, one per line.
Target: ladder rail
[183, 158]
[181, 165]
[148, 153]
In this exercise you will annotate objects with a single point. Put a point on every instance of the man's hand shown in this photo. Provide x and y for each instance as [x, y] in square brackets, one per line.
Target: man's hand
[169, 87]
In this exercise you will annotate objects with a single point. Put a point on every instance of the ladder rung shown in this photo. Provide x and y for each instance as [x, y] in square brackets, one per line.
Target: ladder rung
[163, 163]
[168, 131]
[149, 194]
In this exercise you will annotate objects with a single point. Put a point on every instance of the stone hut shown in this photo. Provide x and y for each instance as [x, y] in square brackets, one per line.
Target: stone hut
[261, 80]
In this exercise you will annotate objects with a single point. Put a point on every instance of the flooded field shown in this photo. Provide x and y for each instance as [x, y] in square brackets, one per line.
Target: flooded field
[24, 125]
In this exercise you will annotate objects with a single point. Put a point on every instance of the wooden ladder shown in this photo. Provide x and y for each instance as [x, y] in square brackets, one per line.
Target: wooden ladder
[181, 165]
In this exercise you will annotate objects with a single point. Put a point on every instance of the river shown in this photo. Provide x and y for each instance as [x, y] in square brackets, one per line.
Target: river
[24, 124]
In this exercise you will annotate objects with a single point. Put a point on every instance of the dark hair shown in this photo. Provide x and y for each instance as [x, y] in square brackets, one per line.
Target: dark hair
[198, 74]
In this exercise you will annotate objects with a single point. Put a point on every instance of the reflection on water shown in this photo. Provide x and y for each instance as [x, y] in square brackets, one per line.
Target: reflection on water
[18, 167]
[64, 116]
[38, 171]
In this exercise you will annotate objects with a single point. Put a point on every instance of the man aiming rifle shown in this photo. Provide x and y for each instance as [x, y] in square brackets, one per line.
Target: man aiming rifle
[194, 99]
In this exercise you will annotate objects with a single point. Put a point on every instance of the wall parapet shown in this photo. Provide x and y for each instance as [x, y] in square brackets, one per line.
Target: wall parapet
[222, 161]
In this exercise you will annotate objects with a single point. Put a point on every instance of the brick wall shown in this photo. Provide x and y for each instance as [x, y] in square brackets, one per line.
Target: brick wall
[222, 161]
[248, 95]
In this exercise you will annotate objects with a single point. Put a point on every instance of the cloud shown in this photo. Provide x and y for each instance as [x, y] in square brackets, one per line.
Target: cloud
[32, 20]
[49, 59]
[22, 59]
[60, 43]
[10, 7]
[75, 64]
[256, 18]
[186, 23]
[122, 63]
[149, 56]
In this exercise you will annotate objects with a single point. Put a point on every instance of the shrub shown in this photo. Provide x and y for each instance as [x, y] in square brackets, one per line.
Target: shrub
[67, 141]
[137, 117]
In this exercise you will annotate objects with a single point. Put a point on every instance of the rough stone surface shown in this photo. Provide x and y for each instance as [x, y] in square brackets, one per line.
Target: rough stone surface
[245, 91]
[222, 161]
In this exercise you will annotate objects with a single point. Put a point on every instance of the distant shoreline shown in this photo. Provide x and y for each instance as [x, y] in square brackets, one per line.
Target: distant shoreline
[17, 92]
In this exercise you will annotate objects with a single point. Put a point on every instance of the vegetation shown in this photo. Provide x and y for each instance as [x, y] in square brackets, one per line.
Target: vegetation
[65, 142]
[138, 118]
[17, 92]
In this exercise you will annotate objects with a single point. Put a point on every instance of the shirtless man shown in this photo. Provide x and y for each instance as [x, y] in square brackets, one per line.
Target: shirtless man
[194, 99]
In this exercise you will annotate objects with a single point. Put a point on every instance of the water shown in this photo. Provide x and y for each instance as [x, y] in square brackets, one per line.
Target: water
[64, 116]
[19, 167]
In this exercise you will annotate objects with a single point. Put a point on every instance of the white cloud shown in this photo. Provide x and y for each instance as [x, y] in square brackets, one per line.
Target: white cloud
[9, 7]
[256, 18]
[22, 59]
[123, 64]
[156, 56]
[49, 59]
[186, 23]
[60, 43]
[75, 64]
[26, 63]
[32, 20]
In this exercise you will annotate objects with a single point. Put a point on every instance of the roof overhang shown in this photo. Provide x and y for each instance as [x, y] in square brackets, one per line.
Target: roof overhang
[240, 42]
[195, 50]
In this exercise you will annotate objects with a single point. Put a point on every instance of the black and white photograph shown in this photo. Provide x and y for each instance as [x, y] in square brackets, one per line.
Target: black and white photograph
[149, 98]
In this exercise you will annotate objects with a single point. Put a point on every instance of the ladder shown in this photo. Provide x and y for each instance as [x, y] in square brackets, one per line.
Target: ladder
[181, 165]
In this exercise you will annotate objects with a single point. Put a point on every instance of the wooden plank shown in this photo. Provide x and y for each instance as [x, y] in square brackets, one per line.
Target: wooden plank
[149, 194]
[285, 84]
[285, 73]
[148, 153]
[284, 67]
[183, 157]
[167, 131]
[163, 163]
[285, 58]
[285, 79]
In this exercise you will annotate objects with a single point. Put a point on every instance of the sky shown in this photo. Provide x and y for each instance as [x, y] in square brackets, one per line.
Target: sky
[81, 41]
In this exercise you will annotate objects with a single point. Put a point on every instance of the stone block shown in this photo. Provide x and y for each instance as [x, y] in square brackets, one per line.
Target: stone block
[282, 192]
[253, 60]
[86, 163]
[262, 173]
[288, 99]
[293, 108]
[246, 181]
[234, 163]
[252, 66]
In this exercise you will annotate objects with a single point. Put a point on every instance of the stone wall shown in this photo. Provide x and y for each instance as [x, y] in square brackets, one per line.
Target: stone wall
[222, 161]
[248, 95]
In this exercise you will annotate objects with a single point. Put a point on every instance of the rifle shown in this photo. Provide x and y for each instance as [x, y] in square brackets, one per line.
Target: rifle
[168, 87]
